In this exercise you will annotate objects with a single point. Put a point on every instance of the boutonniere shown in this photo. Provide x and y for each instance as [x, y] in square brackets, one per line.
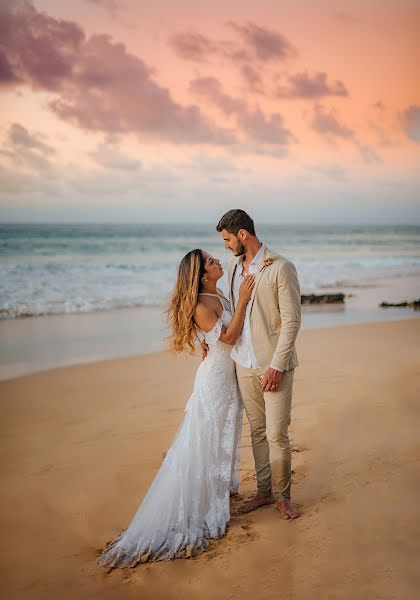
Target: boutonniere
[268, 261]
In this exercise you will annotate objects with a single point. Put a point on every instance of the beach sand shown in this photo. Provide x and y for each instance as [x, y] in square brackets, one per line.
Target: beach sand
[81, 445]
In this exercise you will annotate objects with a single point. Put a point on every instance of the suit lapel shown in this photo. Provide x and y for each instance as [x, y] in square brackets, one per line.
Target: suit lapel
[231, 274]
[258, 276]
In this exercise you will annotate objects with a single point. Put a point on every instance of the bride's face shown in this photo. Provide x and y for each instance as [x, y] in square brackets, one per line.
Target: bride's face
[212, 267]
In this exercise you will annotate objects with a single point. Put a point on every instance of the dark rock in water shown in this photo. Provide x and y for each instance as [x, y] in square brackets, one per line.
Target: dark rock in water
[414, 304]
[322, 298]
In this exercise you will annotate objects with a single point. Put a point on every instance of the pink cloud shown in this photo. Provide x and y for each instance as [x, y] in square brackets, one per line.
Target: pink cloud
[326, 123]
[252, 78]
[7, 76]
[193, 46]
[268, 130]
[303, 85]
[39, 50]
[19, 136]
[411, 122]
[257, 44]
[368, 154]
[27, 149]
[196, 47]
[99, 85]
[210, 89]
[266, 44]
[258, 127]
[261, 45]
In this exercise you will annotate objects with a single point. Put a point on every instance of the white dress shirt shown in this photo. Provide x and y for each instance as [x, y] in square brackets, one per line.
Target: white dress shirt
[243, 351]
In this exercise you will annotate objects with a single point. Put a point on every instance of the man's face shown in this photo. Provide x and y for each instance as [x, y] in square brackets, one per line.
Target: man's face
[232, 243]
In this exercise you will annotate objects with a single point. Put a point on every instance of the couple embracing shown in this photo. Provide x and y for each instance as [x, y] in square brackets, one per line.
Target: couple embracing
[249, 354]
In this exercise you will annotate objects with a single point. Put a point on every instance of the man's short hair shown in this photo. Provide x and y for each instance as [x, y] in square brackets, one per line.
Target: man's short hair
[234, 220]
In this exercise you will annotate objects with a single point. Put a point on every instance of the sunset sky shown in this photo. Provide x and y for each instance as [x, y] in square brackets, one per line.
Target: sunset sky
[178, 110]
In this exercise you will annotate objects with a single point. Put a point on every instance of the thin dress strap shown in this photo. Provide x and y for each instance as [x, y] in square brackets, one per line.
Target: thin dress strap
[216, 295]
[221, 298]
[208, 294]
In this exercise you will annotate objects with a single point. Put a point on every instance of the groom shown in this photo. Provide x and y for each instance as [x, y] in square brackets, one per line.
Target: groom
[265, 355]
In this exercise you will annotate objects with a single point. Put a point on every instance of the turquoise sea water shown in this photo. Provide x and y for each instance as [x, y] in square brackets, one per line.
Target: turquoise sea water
[51, 269]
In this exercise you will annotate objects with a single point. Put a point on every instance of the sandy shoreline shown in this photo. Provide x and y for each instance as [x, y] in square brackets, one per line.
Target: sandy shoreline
[35, 344]
[81, 445]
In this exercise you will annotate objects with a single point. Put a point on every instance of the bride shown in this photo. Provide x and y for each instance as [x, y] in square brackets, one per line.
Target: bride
[188, 500]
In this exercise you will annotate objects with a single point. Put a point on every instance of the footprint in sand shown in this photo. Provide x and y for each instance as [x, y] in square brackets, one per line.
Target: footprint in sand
[250, 476]
[239, 532]
[298, 448]
[299, 473]
[244, 533]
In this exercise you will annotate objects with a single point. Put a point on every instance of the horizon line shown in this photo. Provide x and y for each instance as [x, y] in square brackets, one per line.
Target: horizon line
[186, 223]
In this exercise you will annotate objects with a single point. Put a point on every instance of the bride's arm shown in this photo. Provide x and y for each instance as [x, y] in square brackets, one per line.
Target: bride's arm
[206, 318]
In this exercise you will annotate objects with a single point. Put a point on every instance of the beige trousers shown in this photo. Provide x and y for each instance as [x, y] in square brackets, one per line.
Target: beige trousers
[269, 418]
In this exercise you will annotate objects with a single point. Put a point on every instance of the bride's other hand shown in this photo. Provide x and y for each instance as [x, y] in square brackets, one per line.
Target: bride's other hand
[245, 290]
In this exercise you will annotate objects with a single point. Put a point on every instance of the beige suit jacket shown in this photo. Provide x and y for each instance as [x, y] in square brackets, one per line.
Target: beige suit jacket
[275, 313]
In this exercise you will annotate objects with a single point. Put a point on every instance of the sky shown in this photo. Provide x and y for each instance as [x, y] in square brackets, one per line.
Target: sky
[298, 111]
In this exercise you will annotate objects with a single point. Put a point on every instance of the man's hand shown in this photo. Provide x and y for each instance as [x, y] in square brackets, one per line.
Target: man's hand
[204, 349]
[271, 380]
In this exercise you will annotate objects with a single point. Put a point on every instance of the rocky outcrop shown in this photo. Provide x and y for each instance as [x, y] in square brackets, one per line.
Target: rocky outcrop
[413, 304]
[322, 298]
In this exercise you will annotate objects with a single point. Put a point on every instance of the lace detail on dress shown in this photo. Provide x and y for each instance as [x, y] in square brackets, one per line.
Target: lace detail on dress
[189, 499]
[211, 337]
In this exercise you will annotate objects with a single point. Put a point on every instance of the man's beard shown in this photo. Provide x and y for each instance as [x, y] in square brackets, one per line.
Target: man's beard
[240, 250]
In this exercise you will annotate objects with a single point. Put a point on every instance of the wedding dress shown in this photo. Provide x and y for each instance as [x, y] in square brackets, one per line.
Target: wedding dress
[189, 499]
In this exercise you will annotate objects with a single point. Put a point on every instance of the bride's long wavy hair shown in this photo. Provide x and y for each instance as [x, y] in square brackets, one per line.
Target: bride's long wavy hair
[183, 302]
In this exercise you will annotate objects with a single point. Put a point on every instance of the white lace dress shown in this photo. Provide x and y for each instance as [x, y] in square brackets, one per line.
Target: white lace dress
[189, 499]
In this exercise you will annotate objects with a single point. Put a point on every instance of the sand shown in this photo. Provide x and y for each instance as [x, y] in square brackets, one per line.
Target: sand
[81, 445]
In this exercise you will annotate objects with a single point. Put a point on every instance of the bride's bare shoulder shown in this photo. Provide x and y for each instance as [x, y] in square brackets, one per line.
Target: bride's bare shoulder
[202, 307]
[204, 315]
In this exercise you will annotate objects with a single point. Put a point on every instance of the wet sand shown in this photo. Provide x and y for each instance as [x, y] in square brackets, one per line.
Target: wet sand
[34, 344]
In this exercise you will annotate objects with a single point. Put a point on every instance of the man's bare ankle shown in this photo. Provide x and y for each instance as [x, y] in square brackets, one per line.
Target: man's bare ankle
[255, 502]
[287, 510]
[267, 497]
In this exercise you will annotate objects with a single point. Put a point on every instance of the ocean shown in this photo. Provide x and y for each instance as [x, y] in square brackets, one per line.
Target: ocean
[53, 269]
